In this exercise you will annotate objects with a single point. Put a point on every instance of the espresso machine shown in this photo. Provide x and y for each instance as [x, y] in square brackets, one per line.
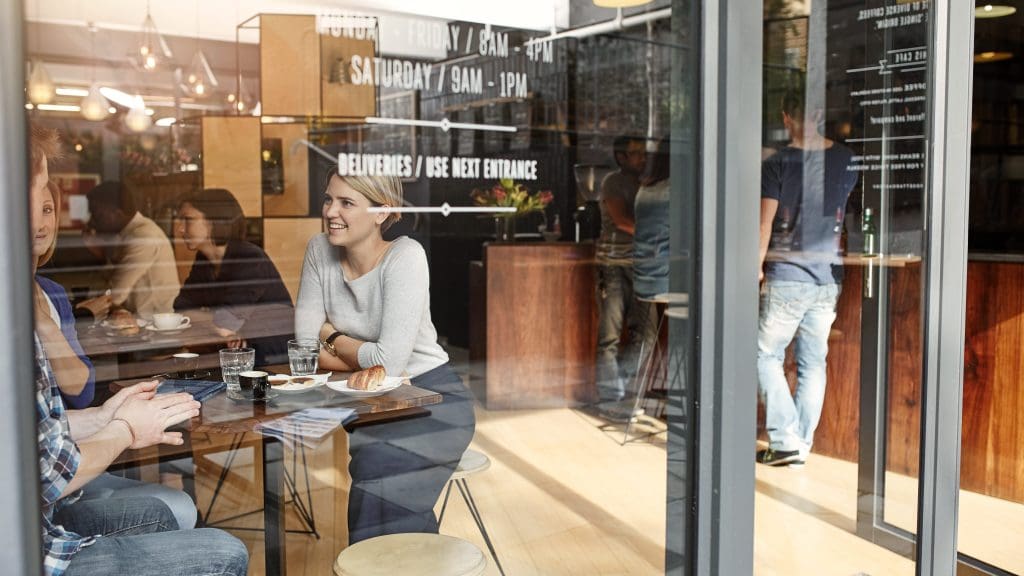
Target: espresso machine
[587, 217]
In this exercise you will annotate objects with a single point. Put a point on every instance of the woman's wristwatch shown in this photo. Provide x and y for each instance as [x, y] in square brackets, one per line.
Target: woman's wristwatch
[329, 343]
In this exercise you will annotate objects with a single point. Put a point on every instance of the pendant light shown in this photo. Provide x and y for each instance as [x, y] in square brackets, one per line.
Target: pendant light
[200, 79]
[94, 106]
[137, 120]
[40, 86]
[153, 44]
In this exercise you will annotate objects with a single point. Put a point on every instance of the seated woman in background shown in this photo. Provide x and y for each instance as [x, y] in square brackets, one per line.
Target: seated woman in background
[232, 277]
[368, 299]
[55, 319]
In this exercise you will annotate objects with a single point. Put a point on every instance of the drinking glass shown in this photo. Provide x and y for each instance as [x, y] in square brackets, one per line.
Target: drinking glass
[303, 356]
[233, 361]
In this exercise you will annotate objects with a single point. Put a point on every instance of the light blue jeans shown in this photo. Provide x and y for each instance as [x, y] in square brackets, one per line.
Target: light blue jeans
[107, 486]
[805, 311]
[617, 306]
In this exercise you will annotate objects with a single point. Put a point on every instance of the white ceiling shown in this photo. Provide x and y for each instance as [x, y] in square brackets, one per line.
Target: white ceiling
[217, 18]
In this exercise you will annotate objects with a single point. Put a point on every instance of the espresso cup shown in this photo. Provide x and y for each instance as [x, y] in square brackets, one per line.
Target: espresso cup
[254, 383]
[186, 364]
[170, 321]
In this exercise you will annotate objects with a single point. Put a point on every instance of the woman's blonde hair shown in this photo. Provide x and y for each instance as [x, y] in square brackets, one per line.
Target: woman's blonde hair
[379, 190]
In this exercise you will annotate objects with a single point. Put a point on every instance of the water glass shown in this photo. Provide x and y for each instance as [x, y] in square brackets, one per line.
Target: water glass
[303, 356]
[233, 361]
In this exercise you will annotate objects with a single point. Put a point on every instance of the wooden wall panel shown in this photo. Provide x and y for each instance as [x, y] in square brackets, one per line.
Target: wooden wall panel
[342, 98]
[231, 159]
[289, 65]
[295, 200]
[992, 457]
[284, 240]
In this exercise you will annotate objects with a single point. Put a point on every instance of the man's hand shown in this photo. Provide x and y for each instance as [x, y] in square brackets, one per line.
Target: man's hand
[231, 338]
[149, 418]
[144, 390]
[99, 306]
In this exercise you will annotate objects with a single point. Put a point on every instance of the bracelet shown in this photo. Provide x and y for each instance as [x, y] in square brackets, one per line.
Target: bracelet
[127, 425]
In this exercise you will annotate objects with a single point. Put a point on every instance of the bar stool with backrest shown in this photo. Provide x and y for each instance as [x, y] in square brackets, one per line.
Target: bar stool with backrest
[418, 554]
[472, 462]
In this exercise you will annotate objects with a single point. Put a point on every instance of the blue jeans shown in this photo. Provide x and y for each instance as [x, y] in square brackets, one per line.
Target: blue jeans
[139, 536]
[806, 311]
[617, 305]
[399, 468]
[109, 486]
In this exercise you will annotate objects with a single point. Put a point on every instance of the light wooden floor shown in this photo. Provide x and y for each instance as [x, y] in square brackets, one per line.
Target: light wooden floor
[563, 497]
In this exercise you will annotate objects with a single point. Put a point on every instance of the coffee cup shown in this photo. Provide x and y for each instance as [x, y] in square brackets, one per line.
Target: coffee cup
[186, 364]
[170, 321]
[254, 383]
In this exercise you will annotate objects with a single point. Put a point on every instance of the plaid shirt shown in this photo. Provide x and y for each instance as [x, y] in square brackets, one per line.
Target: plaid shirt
[58, 462]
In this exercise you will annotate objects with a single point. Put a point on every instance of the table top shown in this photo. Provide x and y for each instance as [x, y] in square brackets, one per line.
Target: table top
[221, 415]
[96, 341]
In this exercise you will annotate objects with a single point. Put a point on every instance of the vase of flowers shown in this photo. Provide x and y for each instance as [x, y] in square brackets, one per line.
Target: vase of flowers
[508, 194]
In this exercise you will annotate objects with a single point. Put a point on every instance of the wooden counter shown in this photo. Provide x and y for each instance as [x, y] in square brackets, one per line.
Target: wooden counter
[533, 325]
[992, 459]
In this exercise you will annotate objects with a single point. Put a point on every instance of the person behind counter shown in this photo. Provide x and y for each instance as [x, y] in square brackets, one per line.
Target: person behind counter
[368, 299]
[145, 277]
[233, 277]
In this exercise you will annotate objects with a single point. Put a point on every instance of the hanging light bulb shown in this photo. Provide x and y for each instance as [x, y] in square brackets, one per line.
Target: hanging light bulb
[153, 43]
[40, 86]
[94, 106]
[200, 77]
[137, 120]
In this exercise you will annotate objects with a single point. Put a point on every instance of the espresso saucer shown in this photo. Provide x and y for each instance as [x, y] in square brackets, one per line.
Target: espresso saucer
[243, 397]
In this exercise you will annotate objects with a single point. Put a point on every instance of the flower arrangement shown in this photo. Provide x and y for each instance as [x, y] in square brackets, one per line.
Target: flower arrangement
[508, 194]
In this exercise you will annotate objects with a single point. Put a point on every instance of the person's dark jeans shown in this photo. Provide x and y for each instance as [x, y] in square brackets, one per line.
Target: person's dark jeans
[399, 468]
[139, 536]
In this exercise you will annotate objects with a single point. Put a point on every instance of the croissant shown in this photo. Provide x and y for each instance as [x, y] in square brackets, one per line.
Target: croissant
[369, 379]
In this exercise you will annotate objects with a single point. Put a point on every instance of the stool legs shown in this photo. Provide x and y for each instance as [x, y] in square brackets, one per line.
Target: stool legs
[467, 497]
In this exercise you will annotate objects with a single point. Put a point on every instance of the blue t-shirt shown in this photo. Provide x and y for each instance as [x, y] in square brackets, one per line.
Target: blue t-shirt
[812, 187]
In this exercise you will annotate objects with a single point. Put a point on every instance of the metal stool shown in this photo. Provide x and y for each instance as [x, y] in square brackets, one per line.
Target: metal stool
[471, 463]
[652, 367]
[411, 555]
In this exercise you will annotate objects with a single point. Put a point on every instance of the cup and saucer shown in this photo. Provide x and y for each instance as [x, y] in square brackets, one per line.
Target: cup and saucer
[169, 323]
[254, 386]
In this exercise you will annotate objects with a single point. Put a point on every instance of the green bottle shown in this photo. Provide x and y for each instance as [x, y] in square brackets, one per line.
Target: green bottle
[870, 233]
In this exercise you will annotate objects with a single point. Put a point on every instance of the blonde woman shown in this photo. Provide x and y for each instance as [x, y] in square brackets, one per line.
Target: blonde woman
[368, 300]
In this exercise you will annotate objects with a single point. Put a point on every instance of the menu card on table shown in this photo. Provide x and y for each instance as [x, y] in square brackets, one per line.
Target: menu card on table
[308, 426]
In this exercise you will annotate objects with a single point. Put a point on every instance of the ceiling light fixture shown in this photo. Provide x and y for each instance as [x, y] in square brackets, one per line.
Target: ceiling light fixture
[993, 11]
[75, 92]
[986, 57]
[94, 106]
[40, 86]
[117, 96]
[620, 3]
[152, 42]
[165, 122]
[200, 76]
[137, 120]
[59, 107]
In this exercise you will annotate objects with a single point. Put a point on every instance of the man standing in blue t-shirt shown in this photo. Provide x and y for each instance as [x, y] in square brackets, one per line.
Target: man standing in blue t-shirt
[804, 188]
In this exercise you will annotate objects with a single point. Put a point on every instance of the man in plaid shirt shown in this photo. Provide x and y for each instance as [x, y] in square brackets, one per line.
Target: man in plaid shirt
[137, 535]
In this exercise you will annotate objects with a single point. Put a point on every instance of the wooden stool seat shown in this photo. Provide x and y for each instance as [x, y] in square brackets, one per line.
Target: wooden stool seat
[411, 555]
[471, 463]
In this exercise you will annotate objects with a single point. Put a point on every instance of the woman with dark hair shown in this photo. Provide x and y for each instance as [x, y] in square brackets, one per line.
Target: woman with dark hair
[232, 277]
[651, 242]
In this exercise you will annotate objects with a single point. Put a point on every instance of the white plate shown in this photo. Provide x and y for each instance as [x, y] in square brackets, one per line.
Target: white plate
[153, 328]
[390, 383]
[138, 321]
[283, 383]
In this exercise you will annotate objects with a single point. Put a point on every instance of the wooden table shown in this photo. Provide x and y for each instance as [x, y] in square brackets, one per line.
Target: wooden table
[157, 347]
[221, 415]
